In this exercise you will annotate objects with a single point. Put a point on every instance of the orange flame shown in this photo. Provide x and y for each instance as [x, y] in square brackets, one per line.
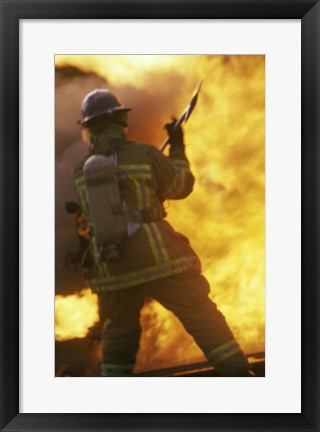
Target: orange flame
[75, 314]
[224, 217]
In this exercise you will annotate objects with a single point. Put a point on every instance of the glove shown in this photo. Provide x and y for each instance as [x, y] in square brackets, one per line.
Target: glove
[175, 134]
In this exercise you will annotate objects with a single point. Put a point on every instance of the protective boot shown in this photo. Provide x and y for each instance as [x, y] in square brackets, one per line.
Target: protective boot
[229, 360]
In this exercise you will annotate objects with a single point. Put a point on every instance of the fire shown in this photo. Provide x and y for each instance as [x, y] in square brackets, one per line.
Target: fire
[75, 314]
[224, 217]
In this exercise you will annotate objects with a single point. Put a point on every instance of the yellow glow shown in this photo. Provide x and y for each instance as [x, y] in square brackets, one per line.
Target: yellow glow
[75, 314]
[125, 68]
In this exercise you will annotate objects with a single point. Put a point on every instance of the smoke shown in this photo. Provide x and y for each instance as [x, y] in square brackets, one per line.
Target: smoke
[70, 88]
[153, 106]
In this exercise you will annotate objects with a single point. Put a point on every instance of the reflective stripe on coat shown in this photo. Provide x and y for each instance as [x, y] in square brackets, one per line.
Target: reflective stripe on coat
[156, 250]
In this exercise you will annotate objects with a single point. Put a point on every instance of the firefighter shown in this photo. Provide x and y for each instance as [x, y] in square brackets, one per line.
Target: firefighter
[121, 186]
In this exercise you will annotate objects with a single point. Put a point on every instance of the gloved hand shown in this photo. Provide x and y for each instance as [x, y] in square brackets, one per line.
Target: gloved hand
[175, 134]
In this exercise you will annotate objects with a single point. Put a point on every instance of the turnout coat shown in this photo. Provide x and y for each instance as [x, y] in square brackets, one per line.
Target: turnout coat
[148, 178]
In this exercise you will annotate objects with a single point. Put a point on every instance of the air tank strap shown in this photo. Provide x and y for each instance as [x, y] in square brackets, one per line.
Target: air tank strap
[146, 215]
[152, 214]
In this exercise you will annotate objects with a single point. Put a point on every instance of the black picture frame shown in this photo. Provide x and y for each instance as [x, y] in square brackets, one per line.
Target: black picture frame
[11, 12]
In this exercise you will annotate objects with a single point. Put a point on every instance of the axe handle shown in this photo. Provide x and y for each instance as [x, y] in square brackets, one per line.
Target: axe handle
[185, 115]
[164, 144]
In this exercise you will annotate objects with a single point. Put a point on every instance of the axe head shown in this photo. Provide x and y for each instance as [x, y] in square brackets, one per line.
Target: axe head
[193, 102]
[185, 114]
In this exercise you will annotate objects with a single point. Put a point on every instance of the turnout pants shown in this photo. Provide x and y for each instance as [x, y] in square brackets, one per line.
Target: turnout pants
[186, 295]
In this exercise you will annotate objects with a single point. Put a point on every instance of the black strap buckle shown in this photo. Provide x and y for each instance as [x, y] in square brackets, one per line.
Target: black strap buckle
[152, 214]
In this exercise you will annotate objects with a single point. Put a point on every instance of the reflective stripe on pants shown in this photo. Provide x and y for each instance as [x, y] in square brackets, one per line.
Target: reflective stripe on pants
[186, 295]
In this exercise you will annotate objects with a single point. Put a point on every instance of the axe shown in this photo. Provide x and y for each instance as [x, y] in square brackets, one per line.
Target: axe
[185, 114]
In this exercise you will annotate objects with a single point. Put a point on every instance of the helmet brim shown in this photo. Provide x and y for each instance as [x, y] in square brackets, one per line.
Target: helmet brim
[85, 120]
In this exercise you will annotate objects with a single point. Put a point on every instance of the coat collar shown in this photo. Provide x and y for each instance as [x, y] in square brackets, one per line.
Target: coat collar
[107, 141]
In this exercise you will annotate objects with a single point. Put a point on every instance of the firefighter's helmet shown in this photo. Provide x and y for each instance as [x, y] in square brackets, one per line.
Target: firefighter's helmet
[98, 103]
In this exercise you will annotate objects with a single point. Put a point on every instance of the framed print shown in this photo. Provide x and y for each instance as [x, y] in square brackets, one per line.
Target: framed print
[253, 143]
